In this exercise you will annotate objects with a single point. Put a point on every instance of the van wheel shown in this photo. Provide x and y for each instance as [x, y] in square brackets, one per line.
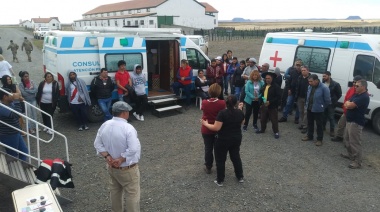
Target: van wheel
[376, 122]
[95, 113]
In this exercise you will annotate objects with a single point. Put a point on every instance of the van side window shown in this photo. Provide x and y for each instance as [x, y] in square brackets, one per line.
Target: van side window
[317, 59]
[131, 59]
[196, 59]
[368, 67]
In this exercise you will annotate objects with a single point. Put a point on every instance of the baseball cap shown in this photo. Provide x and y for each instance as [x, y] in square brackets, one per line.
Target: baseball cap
[218, 58]
[252, 59]
[121, 106]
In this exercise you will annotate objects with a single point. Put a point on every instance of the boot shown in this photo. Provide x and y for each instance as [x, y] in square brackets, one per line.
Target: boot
[332, 133]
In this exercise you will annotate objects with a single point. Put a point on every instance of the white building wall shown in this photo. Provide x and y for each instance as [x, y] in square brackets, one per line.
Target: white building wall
[54, 24]
[189, 14]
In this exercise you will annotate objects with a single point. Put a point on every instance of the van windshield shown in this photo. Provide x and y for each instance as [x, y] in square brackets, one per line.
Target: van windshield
[195, 40]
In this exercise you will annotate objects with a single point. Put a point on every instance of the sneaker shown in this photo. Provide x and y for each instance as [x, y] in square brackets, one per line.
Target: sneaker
[304, 130]
[301, 127]
[245, 128]
[337, 139]
[50, 132]
[45, 129]
[31, 131]
[80, 128]
[86, 127]
[141, 118]
[332, 133]
[136, 116]
[241, 180]
[255, 127]
[207, 170]
[318, 143]
[306, 138]
[276, 136]
[345, 156]
[283, 119]
[355, 165]
[220, 184]
[259, 131]
[296, 121]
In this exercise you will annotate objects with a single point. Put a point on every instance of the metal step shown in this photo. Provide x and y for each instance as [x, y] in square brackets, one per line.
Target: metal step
[173, 107]
[17, 174]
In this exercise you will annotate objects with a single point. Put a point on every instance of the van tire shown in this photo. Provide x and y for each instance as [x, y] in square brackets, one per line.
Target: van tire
[376, 122]
[95, 113]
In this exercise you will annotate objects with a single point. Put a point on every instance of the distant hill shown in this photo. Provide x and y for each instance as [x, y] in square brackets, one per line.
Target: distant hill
[353, 18]
[240, 20]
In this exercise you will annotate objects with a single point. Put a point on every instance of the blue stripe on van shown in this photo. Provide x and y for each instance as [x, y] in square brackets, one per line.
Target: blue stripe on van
[360, 46]
[50, 49]
[87, 42]
[183, 49]
[67, 42]
[183, 41]
[95, 51]
[322, 43]
[108, 42]
[130, 42]
[285, 41]
[143, 43]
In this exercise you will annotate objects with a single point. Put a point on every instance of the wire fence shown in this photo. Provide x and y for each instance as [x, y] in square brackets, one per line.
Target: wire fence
[227, 33]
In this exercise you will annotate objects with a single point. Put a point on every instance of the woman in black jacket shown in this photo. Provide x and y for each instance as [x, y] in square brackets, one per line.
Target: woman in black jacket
[47, 98]
[201, 85]
[237, 81]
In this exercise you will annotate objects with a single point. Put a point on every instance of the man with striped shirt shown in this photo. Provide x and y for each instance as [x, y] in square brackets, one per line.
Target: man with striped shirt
[10, 136]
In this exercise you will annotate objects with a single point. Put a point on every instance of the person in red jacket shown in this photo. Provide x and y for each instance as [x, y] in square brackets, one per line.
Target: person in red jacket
[342, 120]
[184, 77]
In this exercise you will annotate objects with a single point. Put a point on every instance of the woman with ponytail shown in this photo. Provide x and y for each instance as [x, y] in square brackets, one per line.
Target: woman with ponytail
[228, 126]
[29, 90]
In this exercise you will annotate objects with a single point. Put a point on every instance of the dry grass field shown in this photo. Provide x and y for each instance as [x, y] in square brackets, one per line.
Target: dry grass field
[299, 23]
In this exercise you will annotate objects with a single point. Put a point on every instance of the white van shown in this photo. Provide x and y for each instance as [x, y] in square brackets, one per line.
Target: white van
[159, 51]
[345, 55]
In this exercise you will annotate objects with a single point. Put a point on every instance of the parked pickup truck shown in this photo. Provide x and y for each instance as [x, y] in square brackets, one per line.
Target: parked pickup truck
[200, 41]
[39, 33]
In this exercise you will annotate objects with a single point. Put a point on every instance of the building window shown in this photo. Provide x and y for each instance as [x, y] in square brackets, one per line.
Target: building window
[96, 23]
[116, 23]
[130, 11]
[138, 11]
[53, 24]
[109, 14]
[136, 23]
[141, 22]
[108, 22]
[114, 13]
[123, 22]
[148, 9]
[214, 21]
[128, 23]
[151, 22]
[90, 23]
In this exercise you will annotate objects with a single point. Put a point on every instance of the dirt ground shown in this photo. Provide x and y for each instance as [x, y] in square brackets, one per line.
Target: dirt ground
[241, 49]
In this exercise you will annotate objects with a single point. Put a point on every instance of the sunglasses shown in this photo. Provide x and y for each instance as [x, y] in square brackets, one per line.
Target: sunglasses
[298, 64]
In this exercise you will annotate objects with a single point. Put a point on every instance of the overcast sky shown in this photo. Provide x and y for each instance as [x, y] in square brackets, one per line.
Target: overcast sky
[69, 10]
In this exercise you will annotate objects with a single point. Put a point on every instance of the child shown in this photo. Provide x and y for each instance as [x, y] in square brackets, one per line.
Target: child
[138, 84]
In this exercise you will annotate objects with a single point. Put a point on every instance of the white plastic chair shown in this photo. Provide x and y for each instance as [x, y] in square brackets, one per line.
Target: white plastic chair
[198, 98]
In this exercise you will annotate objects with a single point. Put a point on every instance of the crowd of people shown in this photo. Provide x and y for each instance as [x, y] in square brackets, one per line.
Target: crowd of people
[258, 90]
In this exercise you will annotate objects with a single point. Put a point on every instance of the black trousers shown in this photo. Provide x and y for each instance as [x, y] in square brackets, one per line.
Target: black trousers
[80, 113]
[222, 147]
[318, 118]
[254, 108]
[209, 141]
[141, 102]
[48, 108]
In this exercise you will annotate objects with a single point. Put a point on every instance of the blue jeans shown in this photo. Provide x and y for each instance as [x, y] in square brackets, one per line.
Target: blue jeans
[288, 108]
[17, 142]
[185, 89]
[121, 97]
[237, 92]
[32, 113]
[225, 82]
[105, 105]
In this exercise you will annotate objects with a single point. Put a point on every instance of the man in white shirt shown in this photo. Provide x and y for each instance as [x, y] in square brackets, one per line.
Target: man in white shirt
[118, 143]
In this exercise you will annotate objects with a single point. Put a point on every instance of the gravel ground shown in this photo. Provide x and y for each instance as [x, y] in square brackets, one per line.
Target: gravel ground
[280, 175]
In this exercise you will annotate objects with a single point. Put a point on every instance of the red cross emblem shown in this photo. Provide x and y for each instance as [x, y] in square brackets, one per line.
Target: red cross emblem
[275, 59]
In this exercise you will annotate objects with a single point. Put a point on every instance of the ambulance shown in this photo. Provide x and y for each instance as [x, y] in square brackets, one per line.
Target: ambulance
[343, 54]
[158, 51]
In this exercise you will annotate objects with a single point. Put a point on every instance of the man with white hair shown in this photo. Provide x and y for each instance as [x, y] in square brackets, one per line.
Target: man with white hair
[264, 69]
[251, 66]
